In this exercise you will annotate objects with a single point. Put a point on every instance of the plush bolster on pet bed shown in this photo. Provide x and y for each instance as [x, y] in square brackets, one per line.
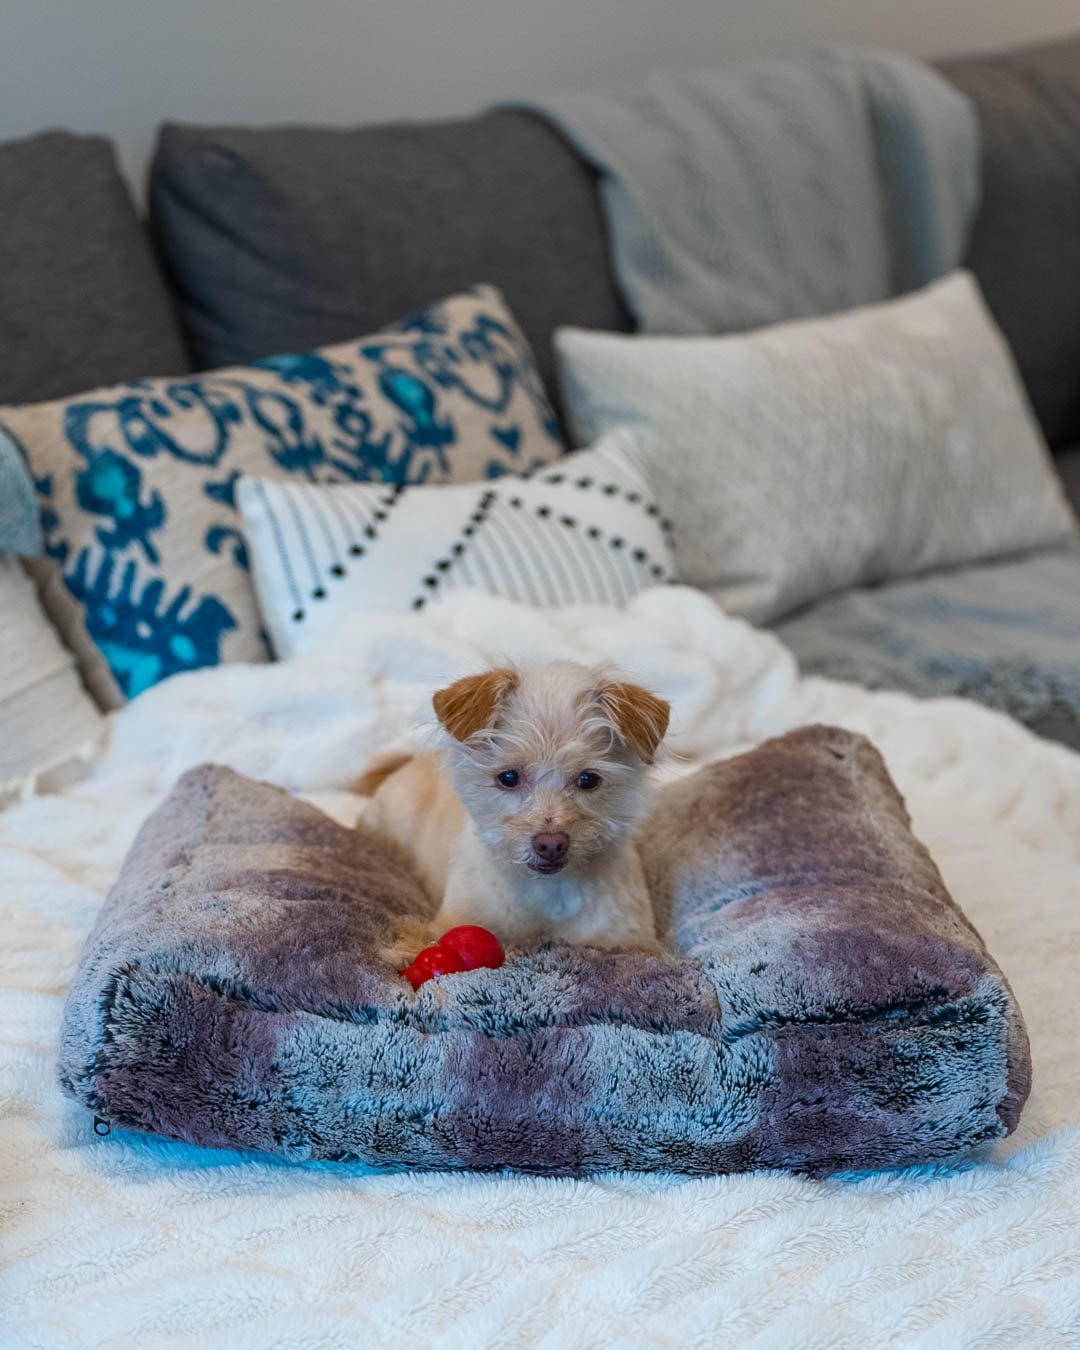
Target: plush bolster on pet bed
[825, 1006]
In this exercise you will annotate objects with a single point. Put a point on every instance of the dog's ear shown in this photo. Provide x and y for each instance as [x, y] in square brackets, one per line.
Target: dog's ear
[469, 705]
[641, 717]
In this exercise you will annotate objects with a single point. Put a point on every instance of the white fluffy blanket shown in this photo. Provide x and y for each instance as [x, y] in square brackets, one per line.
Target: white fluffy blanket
[132, 1241]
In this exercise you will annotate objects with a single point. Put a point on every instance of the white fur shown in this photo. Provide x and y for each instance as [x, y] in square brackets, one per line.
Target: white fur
[607, 905]
[131, 1241]
[551, 727]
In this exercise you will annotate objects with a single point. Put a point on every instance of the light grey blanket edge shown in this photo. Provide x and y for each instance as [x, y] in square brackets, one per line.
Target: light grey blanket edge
[777, 189]
[20, 526]
[1004, 633]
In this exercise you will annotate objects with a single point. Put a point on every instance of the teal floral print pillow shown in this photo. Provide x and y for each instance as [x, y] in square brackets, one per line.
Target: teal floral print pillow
[136, 483]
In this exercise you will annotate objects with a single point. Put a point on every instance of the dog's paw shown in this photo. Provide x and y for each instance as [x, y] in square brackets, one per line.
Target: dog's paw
[623, 938]
[647, 946]
[410, 936]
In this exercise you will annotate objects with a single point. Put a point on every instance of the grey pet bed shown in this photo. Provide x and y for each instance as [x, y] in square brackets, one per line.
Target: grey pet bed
[825, 1005]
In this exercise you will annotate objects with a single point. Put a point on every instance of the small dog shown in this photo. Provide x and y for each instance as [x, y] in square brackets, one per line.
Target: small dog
[527, 827]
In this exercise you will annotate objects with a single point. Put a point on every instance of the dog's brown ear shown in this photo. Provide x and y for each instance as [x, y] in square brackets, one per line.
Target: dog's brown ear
[469, 705]
[640, 716]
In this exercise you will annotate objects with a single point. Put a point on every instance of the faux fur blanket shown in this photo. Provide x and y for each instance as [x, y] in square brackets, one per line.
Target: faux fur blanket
[134, 1240]
[825, 1005]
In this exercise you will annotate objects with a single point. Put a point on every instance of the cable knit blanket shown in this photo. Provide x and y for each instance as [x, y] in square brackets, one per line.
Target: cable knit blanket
[1006, 633]
[779, 189]
[131, 1240]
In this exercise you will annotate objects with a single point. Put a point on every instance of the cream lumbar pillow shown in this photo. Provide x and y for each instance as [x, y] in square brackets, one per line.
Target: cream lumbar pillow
[49, 728]
[803, 458]
[582, 531]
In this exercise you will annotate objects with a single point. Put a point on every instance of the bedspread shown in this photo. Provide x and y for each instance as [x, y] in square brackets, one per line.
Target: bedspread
[128, 1240]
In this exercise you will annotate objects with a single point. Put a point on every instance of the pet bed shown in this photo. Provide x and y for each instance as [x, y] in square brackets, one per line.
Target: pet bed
[824, 1006]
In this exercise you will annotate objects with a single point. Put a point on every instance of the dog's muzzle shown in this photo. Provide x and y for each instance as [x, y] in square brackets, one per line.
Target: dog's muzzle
[550, 852]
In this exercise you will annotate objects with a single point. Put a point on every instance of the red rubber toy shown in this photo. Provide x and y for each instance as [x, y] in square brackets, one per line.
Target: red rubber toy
[433, 961]
[467, 947]
[475, 945]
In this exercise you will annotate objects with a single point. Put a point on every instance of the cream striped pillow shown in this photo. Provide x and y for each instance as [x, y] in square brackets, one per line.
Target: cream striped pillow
[582, 531]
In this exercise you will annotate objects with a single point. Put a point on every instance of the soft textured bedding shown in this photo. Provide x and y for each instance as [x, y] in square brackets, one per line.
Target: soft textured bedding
[1005, 633]
[132, 1240]
[740, 197]
[821, 1004]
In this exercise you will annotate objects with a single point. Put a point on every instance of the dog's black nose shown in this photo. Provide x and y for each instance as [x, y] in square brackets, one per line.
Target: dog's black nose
[551, 848]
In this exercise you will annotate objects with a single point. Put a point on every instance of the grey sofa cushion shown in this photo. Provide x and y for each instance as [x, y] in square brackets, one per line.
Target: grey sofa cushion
[282, 239]
[1068, 465]
[1025, 249]
[82, 302]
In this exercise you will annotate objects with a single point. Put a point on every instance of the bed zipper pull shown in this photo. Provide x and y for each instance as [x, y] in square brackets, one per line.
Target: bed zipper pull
[102, 1126]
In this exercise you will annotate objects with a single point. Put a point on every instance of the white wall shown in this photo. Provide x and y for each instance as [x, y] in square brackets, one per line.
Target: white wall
[121, 66]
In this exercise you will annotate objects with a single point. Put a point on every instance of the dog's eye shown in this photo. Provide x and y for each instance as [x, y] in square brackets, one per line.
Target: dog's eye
[588, 780]
[509, 778]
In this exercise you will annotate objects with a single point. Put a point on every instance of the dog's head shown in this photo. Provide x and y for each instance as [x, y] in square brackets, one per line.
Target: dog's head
[551, 760]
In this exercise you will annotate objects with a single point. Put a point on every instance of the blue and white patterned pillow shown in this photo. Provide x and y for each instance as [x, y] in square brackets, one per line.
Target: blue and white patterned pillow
[137, 482]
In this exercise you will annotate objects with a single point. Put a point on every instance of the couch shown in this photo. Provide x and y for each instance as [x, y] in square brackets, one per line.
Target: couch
[258, 241]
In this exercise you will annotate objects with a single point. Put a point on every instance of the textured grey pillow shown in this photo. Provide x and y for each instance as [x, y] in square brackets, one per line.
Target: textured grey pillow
[810, 456]
[82, 302]
[1025, 249]
[285, 238]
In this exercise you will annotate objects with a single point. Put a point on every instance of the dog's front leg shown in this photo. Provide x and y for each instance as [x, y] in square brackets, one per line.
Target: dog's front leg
[475, 892]
[410, 937]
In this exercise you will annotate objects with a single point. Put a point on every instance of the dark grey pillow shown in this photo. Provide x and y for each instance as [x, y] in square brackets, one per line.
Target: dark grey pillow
[82, 302]
[1026, 247]
[284, 239]
[1068, 463]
